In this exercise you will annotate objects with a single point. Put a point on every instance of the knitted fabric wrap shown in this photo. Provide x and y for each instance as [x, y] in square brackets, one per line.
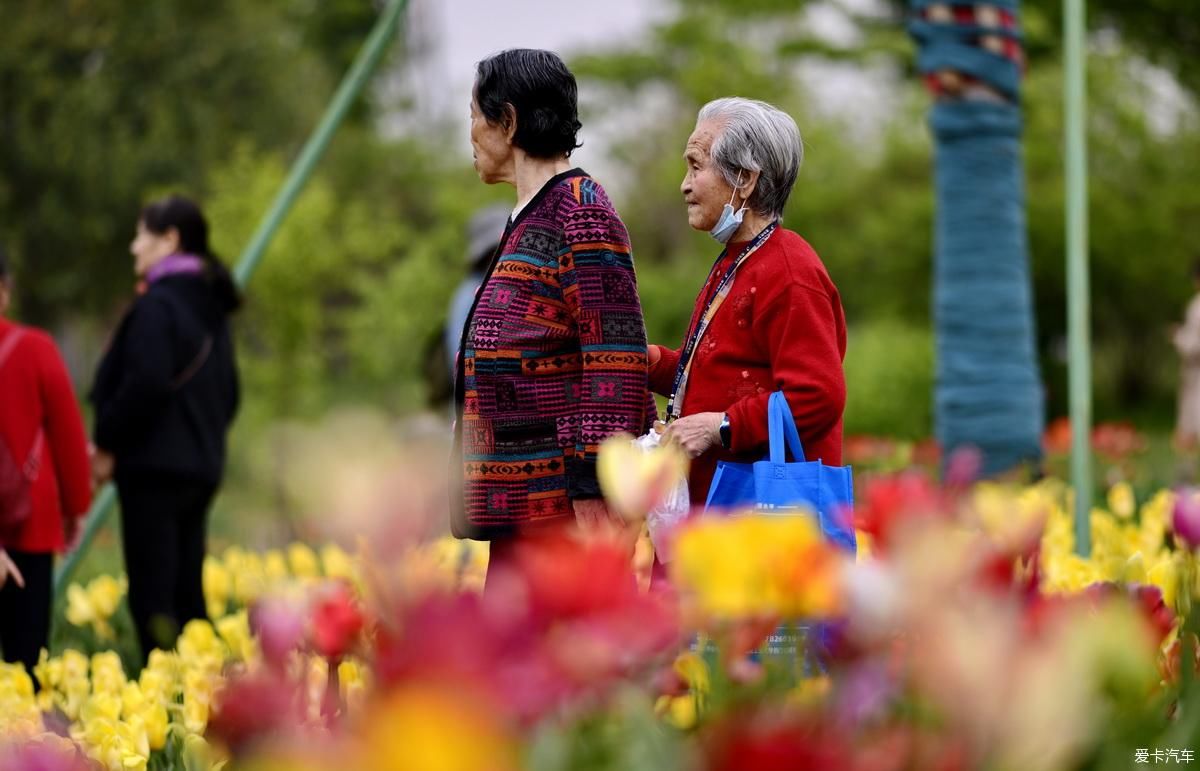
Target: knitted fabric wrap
[988, 392]
[553, 362]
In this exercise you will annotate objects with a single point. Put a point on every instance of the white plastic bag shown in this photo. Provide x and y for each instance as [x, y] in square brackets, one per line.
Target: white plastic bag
[671, 509]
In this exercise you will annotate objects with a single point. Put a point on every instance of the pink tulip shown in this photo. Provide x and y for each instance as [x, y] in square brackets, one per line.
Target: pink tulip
[1186, 518]
[279, 626]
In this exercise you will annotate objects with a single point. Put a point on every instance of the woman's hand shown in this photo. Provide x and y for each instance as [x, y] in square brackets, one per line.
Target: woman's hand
[8, 569]
[73, 532]
[103, 464]
[696, 434]
[653, 354]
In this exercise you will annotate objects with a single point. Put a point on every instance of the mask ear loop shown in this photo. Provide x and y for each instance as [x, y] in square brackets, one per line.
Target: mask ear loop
[736, 187]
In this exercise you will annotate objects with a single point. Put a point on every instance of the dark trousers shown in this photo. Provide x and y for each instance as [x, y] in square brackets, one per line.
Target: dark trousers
[163, 523]
[25, 613]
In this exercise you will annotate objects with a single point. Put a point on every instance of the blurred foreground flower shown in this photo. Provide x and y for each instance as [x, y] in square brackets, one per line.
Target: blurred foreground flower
[434, 728]
[757, 566]
[634, 479]
[1185, 518]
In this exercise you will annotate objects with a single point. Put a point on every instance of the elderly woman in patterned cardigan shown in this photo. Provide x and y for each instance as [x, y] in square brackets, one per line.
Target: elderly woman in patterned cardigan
[769, 318]
[553, 357]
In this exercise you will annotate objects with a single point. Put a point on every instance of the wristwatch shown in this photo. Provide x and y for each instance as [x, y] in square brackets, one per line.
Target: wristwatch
[726, 431]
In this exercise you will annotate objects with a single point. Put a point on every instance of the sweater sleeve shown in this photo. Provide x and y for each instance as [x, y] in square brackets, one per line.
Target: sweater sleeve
[66, 437]
[596, 273]
[800, 330]
[662, 372]
[145, 384]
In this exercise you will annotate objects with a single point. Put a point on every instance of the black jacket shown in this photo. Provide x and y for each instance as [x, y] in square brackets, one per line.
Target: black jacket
[166, 390]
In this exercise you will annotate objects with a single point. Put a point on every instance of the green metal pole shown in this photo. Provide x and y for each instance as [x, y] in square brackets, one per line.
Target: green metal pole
[365, 64]
[360, 72]
[1078, 329]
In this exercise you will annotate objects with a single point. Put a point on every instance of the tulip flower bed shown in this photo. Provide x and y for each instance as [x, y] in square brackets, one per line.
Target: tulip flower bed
[966, 635]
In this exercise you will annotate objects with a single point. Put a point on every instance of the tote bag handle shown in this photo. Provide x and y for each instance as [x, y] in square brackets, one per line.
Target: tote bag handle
[781, 428]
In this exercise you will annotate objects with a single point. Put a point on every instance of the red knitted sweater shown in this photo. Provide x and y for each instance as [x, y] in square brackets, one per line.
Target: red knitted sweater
[781, 327]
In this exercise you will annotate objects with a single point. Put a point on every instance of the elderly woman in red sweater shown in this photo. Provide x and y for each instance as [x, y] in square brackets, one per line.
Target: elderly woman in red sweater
[45, 480]
[769, 318]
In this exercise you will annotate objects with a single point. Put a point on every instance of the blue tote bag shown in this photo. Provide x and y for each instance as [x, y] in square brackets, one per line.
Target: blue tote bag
[774, 486]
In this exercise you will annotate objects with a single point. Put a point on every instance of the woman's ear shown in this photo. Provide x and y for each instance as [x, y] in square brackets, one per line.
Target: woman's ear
[509, 122]
[749, 185]
[172, 235]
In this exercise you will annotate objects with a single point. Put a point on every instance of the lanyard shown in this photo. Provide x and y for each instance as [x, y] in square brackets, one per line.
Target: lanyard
[683, 371]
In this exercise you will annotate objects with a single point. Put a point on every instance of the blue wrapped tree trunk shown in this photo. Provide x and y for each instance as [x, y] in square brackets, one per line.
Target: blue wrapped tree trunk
[988, 392]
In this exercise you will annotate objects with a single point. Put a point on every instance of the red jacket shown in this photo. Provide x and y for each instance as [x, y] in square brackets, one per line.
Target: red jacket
[781, 327]
[35, 390]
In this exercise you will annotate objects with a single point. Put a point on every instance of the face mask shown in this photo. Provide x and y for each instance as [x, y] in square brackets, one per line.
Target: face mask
[729, 221]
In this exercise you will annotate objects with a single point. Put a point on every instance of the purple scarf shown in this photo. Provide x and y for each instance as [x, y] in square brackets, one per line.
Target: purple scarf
[175, 264]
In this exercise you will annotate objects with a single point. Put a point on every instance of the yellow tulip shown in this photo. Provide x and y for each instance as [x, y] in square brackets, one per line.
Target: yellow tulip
[156, 721]
[679, 711]
[79, 606]
[1121, 501]
[106, 593]
[108, 674]
[303, 561]
[235, 631]
[336, 563]
[1164, 573]
[218, 584]
[199, 641]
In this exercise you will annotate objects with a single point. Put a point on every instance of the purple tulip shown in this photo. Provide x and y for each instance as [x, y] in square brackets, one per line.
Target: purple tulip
[1185, 520]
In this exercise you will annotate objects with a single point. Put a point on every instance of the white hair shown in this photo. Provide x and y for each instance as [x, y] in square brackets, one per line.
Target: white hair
[756, 136]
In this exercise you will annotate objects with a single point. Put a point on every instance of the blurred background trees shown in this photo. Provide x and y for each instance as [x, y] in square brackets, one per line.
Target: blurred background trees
[105, 103]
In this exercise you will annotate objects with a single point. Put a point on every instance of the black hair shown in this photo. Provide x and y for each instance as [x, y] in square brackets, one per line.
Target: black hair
[537, 86]
[184, 215]
[3, 264]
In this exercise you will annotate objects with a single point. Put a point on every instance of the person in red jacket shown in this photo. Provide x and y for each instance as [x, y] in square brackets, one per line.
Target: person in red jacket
[39, 416]
[769, 318]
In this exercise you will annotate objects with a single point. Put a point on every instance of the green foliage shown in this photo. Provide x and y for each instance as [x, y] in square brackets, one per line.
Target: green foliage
[889, 380]
[348, 292]
[104, 101]
[1141, 197]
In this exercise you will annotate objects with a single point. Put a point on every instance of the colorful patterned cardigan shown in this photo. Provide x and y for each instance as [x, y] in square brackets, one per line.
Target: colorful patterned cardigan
[553, 361]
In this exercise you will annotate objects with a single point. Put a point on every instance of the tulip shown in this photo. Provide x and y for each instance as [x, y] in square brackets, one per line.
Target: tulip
[336, 621]
[279, 626]
[635, 479]
[1185, 519]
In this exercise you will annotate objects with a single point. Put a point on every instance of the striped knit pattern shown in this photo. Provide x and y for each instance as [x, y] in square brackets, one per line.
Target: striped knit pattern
[553, 362]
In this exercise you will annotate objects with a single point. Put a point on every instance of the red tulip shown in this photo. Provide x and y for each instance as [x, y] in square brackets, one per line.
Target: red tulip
[888, 503]
[1117, 440]
[253, 707]
[336, 621]
[1057, 439]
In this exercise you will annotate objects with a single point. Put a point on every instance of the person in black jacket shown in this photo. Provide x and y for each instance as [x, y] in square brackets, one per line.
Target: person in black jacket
[165, 395]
